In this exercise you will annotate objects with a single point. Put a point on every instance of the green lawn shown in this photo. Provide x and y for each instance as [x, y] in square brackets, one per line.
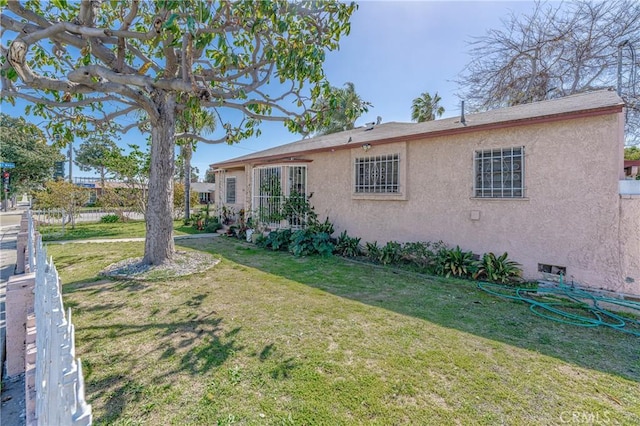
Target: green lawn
[128, 229]
[266, 338]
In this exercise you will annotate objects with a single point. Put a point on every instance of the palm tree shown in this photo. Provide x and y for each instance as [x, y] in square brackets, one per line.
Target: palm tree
[426, 108]
[343, 112]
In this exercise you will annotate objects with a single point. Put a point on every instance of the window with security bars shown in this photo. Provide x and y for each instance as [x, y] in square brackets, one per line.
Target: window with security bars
[231, 190]
[499, 173]
[272, 187]
[377, 174]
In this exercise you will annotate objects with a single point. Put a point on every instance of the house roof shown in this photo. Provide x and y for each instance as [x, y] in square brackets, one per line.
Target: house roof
[202, 186]
[580, 105]
[629, 163]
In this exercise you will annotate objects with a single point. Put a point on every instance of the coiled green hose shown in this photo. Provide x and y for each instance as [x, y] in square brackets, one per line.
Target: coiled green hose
[569, 305]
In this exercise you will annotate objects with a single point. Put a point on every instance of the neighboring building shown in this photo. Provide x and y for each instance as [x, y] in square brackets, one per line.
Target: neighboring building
[205, 191]
[540, 181]
[631, 169]
[94, 185]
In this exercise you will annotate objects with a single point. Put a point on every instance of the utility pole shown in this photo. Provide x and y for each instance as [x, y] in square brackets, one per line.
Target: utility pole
[70, 161]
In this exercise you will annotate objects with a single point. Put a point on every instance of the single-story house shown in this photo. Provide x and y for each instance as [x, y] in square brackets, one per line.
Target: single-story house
[541, 181]
[205, 191]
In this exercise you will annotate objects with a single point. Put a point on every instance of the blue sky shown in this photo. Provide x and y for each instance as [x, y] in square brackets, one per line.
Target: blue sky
[396, 51]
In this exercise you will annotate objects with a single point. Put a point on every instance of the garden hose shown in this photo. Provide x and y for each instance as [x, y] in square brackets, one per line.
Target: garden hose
[569, 305]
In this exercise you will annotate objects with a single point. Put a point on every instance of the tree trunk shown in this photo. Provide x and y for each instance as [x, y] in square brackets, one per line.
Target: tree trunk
[187, 179]
[158, 246]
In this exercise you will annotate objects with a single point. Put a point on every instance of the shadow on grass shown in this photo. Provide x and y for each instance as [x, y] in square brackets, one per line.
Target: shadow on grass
[197, 344]
[456, 304]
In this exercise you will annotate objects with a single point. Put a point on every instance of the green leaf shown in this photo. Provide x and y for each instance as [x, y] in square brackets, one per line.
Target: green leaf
[191, 25]
[170, 20]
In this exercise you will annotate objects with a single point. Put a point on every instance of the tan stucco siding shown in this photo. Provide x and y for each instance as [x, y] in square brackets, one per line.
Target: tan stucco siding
[570, 215]
[241, 188]
[630, 243]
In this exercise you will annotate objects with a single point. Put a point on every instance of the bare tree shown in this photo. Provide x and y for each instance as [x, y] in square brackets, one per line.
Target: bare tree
[557, 50]
[91, 63]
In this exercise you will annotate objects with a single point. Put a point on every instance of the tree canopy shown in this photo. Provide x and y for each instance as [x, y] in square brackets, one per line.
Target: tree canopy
[632, 153]
[426, 108]
[88, 64]
[343, 107]
[25, 145]
[558, 50]
[93, 154]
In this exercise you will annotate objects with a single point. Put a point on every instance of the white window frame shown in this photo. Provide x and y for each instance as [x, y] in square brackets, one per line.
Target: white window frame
[499, 173]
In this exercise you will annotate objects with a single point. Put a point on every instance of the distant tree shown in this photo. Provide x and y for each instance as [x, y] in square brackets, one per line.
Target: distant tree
[210, 175]
[62, 195]
[426, 107]
[180, 171]
[93, 153]
[133, 170]
[632, 153]
[179, 197]
[25, 145]
[557, 50]
[341, 109]
[192, 122]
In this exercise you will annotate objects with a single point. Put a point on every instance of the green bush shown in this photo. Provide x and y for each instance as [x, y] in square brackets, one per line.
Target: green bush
[497, 269]
[422, 255]
[348, 246]
[306, 242]
[373, 251]
[455, 262]
[212, 226]
[276, 240]
[391, 253]
[109, 218]
[320, 227]
[261, 241]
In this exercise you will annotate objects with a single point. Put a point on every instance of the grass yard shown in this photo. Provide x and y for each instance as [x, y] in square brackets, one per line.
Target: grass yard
[128, 229]
[266, 338]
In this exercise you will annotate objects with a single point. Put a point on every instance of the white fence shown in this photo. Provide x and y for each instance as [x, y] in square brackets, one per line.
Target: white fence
[59, 381]
[61, 217]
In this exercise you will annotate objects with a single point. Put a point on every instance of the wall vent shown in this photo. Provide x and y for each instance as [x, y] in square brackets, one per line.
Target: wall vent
[552, 269]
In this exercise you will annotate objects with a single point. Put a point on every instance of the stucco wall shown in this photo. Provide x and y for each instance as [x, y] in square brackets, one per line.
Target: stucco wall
[630, 243]
[570, 216]
[241, 188]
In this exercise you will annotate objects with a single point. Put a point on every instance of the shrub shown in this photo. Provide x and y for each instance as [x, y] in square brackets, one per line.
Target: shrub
[261, 241]
[212, 226]
[277, 240]
[497, 269]
[109, 218]
[373, 251]
[455, 262]
[305, 242]
[348, 246]
[322, 244]
[391, 253]
[422, 255]
[320, 227]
